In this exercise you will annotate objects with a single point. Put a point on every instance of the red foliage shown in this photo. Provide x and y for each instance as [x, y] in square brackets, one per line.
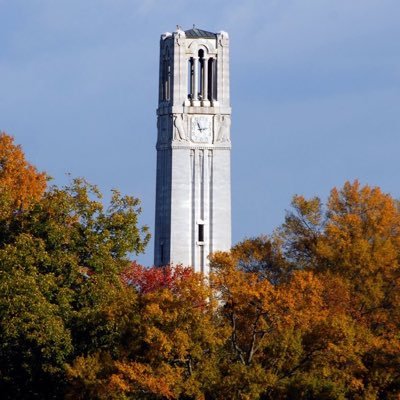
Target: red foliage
[147, 280]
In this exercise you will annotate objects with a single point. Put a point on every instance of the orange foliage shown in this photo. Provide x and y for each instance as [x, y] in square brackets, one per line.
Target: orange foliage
[312, 312]
[20, 182]
[136, 377]
[178, 336]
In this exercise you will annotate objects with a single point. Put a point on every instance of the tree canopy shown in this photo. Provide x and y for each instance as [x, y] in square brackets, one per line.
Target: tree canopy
[61, 256]
[310, 312]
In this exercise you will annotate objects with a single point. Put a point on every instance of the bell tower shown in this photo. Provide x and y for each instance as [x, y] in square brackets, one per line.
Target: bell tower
[193, 190]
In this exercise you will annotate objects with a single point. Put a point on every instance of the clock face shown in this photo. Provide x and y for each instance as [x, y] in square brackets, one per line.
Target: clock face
[201, 129]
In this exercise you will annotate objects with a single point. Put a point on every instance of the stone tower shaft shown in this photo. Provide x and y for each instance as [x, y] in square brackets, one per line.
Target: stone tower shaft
[193, 195]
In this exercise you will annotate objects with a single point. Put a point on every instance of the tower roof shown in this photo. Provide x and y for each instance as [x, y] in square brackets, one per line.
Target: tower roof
[199, 33]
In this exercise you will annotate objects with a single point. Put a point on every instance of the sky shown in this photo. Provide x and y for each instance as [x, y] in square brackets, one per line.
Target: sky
[315, 92]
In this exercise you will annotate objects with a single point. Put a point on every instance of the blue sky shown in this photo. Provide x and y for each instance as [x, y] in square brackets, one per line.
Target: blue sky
[315, 88]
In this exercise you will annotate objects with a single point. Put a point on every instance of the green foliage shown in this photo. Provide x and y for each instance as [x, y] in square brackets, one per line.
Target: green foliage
[60, 265]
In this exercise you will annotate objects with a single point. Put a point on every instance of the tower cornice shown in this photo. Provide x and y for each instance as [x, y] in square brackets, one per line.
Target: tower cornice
[192, 145]
[165, 110]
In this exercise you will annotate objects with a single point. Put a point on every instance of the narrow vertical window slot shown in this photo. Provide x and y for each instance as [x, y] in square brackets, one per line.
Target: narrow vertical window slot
[162, 253]
[161, 82]
[164, 72]
[201, 233]
[168, 82]
[166, 77]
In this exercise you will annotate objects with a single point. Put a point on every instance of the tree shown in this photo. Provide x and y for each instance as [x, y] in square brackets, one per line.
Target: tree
[356, 239]
[20, 182]
[309, 313]
[148, 280]
[313, 312]
[61, 257]
[21, 185]
[262, 255]
[172, 347]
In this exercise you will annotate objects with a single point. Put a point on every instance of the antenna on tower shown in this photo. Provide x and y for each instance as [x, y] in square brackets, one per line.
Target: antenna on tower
[194, 26]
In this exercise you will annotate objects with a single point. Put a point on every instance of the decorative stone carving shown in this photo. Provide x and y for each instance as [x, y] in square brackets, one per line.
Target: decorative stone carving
[180, 36]
[223, 38]
[222, 128]
[179, 131]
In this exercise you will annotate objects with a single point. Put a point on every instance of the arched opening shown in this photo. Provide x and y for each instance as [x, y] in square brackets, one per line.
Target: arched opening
[162, 86]
[190, 82]
[202, 77]
[209, 79]
[168, 82]
[212, 80]
[166, 77]
[200, 86]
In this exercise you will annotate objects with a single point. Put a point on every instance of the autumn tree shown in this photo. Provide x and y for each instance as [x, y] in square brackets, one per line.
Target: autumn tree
[21, 185]
[309, 312]
[20, 182]
[262, 255]
[313, 310]
[61, 256]
[280, 334]
[356, 238]
[171, 350]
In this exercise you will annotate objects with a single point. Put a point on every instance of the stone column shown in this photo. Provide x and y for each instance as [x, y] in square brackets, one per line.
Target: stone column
[196, 82]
